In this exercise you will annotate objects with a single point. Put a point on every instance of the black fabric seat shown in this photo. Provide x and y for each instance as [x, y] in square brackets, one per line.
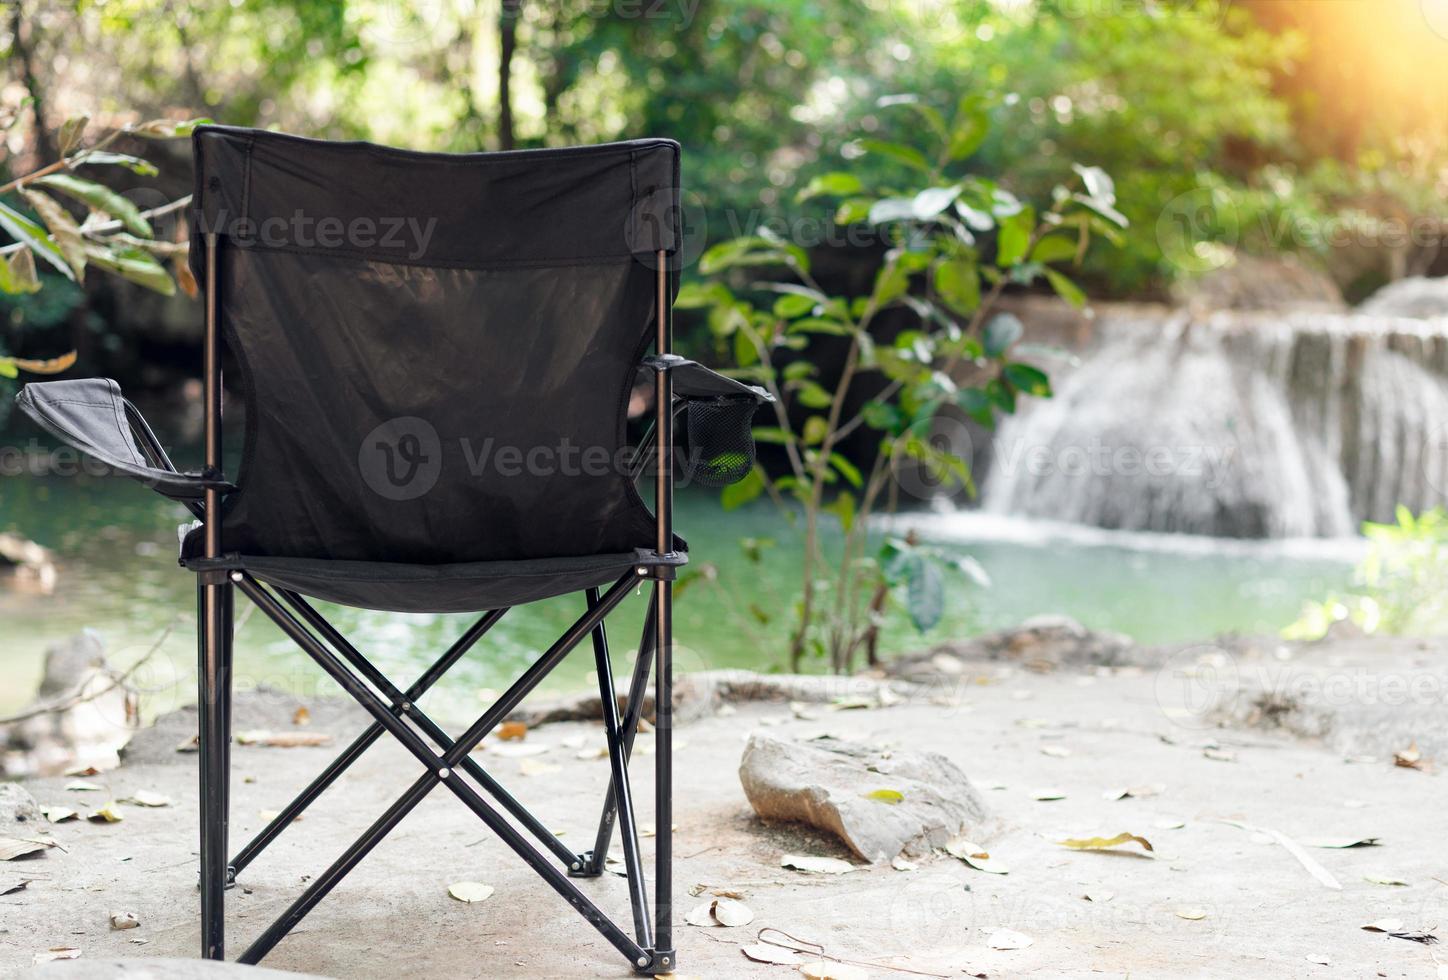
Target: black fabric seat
[450, 588]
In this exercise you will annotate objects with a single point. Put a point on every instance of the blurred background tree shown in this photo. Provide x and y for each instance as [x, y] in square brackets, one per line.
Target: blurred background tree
[1245, 115]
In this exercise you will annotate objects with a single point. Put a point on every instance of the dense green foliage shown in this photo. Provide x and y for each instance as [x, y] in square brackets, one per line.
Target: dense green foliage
[1401, 586]
[955, 241]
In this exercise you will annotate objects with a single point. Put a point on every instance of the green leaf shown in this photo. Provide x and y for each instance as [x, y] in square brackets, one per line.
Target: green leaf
[17, 274]
[789, 306]
[699, 295]
[854, 211]
[1002, 395]
[101, 198]
[929, 113]
[1031, 380]
[63, 229]
[1099, 185]
[22, 229]
[70, 133]
[925, 594]
[818, 324]
[134, 265]
[848, 470]
[891, 282]
[933, 200]
[1015, 237]
[101, 158]
[1102, 208]
[882, 416]
[738, 494]
[958, 283]
[972, 123]
[836, 184]
[1065, 288]
[1001, 331]
[8, 368]
[907, 155]
[813, 395]
[166, 129]
[843, 507]
[816, 427]
[1054, 248]
[892, 209]
[745, 353]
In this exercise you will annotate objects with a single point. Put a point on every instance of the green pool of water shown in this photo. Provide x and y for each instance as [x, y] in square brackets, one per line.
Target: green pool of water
[116, 544]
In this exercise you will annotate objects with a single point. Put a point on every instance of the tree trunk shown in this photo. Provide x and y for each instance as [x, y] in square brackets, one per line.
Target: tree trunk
[508, 44]
[20, 46]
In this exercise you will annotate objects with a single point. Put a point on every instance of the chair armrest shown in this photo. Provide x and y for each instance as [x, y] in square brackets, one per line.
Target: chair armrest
[720, 424]
[94, 417]
[692, 381]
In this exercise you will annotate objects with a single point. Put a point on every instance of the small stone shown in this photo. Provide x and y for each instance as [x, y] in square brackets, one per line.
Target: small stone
[124, 920]
[17, 806]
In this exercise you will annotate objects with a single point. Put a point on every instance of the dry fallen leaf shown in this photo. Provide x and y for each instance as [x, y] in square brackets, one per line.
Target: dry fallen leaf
[10, 884]
[1048, 795]
[284, 740]
[720, 912]
[1377, 879]
[82, 771]
[512, 731]
[19, 847]
[470, 891]
[81, 786]
[1009, 939]
[765, 953]
[886, 795]
[1321, 959]
[1167, 823]
[536, 767]
[302, 716]
[1220, 755]
[191, 744]
[1099, 897]
[1409, 758]
[817, 865]
[1191, 913]
[1384, 925]
[1056, 751]
[59, 814]
[1131, 792]
[56, 953]
[124, 920]
[1102, 843]
[1339, 842]
[901, 863]
[108, 812]
[975, 856]
[143, 797]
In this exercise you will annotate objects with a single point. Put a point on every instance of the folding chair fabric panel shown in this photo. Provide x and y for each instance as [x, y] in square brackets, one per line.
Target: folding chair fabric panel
[91, 415]
[436, 350]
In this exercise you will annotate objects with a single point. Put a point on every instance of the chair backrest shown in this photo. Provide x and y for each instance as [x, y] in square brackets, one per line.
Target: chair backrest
[436, 350]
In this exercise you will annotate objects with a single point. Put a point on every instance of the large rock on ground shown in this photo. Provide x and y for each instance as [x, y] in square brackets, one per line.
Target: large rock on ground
[827, 784]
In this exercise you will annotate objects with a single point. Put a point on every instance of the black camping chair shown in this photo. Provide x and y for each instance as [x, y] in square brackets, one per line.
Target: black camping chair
[401, 323]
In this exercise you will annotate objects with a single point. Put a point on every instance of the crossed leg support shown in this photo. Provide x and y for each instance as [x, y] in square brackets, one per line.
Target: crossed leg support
[391, 711]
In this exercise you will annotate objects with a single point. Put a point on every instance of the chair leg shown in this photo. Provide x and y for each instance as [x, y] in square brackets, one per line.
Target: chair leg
[214, 628]
[665, 958]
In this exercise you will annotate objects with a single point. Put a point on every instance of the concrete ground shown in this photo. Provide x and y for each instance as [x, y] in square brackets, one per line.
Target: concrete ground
[1217, 762]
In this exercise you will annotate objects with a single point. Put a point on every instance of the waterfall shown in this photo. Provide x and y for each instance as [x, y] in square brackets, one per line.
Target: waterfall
[1245, 425]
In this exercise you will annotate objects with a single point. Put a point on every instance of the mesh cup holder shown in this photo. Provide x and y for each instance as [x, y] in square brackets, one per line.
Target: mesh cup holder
[721, 440]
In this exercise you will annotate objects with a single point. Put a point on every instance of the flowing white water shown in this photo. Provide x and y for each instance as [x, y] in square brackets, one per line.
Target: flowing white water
[1236, 425]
